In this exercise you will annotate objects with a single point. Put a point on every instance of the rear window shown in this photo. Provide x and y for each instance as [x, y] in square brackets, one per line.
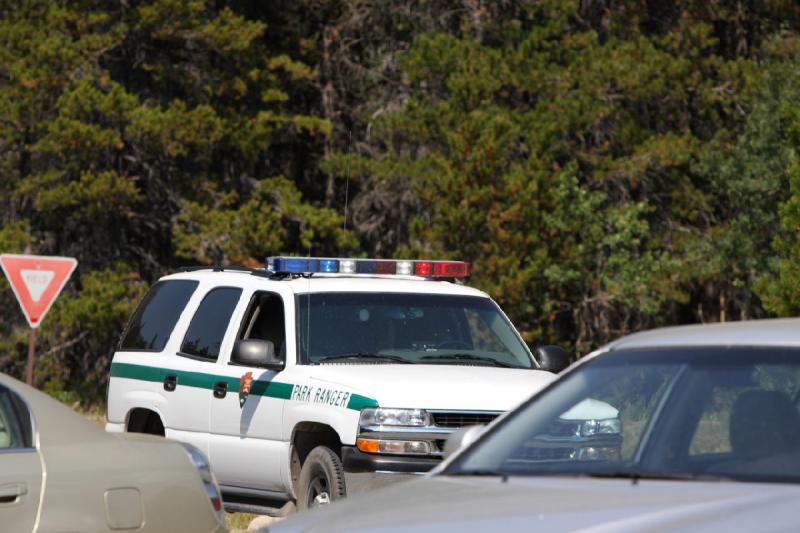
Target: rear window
[204, 336]
[152, 324]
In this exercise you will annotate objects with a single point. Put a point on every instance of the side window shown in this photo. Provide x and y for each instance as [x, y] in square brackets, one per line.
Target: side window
[712, 434]
[15, 422]
[265, 320]
[750, 411]
[208, 326]
[152, 323]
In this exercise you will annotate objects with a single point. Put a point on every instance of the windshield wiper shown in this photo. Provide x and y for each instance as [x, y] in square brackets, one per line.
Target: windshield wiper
[614, 474]
[636, 476]
[363, 356]
[467, 357]
[479, 473]
[485, 473]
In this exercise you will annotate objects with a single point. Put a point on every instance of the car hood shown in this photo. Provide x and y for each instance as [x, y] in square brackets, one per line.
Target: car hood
[458, 504]
[456, 387]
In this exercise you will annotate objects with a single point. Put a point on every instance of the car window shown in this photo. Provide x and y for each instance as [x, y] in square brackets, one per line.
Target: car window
[486, 330]
[15, 426]
[684, 412]
[730, 392]
[152, 323]
[207, 329]
[411, 328]
[265, 320]
[605, 423]
[712, 433]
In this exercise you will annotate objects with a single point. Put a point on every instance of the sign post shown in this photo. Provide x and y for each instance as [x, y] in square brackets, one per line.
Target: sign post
[37, 281]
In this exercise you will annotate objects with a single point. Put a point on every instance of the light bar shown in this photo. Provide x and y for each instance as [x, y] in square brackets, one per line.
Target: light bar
[331, 265]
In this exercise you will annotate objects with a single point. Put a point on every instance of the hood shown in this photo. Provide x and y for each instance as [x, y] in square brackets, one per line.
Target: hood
[457, 387]
[442, 504]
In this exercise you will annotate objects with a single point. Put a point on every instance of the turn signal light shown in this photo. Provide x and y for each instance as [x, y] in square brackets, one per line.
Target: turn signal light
[399, 447]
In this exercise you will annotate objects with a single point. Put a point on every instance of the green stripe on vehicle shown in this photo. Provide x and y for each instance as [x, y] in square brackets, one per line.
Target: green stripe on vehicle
[273, 389]
[142, 373]
[358, 402]
[270, 389]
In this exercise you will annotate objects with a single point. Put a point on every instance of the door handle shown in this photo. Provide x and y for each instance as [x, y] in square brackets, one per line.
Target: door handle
[9, 493]
[220, 389]
[170, 382]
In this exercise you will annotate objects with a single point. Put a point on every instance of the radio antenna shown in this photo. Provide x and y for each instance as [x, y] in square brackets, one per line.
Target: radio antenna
[347, 176]
[308, 312]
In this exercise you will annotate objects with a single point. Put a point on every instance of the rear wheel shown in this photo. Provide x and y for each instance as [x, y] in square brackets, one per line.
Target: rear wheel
[321, 479]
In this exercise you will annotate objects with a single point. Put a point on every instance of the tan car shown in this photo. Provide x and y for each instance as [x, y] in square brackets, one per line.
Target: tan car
[60, 472]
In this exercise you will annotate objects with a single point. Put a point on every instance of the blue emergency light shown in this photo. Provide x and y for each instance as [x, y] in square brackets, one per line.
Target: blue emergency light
[327, 265]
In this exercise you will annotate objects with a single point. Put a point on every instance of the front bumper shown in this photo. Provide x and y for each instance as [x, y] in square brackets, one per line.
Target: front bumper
[356, 461]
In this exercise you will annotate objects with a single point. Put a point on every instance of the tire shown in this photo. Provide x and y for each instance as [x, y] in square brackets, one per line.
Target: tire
[321, 479]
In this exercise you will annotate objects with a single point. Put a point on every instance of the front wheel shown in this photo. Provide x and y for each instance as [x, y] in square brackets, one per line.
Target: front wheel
[321, 479]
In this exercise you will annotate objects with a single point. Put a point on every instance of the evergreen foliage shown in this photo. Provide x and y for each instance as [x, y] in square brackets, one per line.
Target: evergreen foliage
[608, 166]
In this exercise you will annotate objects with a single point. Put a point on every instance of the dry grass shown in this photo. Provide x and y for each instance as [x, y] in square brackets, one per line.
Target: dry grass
[96, 414]
[238, 522]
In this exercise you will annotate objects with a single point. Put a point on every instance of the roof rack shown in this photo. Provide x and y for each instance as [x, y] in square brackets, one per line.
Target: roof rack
[228, 268]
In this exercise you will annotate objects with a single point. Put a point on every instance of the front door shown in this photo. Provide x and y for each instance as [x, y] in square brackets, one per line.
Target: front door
[247, 447]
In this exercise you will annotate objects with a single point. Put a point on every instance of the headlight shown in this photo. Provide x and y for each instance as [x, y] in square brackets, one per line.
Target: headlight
[200, 462]
[603, 453]
[379, 416]
[601, 427]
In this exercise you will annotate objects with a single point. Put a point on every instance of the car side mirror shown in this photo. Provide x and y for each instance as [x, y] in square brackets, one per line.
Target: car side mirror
[257, 352]
[552, 358]
[461, 438]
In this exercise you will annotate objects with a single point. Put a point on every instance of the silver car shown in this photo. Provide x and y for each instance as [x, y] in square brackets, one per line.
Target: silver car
[710, 441]
[60, 472]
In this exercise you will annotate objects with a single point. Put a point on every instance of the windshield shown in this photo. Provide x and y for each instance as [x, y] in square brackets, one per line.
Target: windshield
[703, 413]
[406, 328]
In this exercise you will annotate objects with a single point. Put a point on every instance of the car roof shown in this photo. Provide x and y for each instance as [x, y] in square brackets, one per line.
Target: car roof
[64, 425]
[770, 332]
[335, 282]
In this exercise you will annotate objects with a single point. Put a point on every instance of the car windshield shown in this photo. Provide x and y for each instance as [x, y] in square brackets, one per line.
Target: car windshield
[406, 328]
[669, 413]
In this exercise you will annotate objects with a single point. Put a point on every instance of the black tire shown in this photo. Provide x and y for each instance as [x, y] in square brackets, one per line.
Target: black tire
[321, 479]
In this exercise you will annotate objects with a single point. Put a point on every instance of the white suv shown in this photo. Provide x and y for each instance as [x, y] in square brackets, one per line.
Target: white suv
[315, 377]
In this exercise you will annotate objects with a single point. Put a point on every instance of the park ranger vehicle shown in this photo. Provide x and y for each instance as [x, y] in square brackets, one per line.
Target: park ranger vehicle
[315, 377]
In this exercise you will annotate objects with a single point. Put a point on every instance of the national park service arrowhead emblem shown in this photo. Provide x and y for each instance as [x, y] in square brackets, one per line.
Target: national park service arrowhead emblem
[245, 384]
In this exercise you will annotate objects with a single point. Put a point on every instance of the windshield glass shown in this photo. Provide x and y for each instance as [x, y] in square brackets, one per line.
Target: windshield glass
[406, 328]
[667, 413]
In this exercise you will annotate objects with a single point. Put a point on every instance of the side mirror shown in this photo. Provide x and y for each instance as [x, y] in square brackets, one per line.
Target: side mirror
[461, 438]
[257, 352]
[552, 358]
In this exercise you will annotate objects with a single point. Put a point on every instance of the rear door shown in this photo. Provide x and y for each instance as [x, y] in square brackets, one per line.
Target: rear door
[20, 465]
[194, 369]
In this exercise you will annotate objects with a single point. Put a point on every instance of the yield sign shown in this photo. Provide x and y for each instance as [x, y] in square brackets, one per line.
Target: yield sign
[36, 280]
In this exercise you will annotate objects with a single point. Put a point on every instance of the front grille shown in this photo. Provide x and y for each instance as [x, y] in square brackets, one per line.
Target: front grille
[457, 419]
[563, 428]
